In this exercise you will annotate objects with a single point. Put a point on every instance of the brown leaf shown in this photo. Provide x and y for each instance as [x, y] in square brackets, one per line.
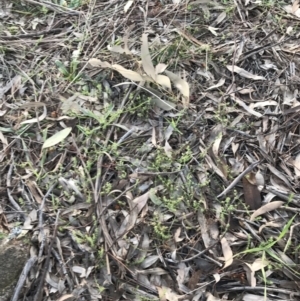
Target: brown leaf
[179, 83]
[251, 194]
[227, 252]
[266, 208]
[146, 58]
[194, 279]
[244, 73]
[132, 75]
[280, 175]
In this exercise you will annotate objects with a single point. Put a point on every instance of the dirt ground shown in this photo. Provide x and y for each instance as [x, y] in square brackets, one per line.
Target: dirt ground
[150, 149]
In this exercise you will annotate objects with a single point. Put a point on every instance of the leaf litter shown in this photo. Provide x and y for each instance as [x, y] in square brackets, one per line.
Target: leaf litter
[181, 178]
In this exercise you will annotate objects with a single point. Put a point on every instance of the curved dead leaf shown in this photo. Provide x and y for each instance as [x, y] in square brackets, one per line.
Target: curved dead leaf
[163, 81]
[150, 260]
[38, 119]
[129, 74]
[166, 294]
[179, 83]
[270, 224]
[220, 83]
[136, 206]
[146, 57]
[14, 84]
[264, 103]
[227, 252]
[159, 68]
[93, 62]
[297, 165]
[250, 269]
[244, 73]
[266, 208]
[57, 138]
[280, 175]
[260, 180]
[118, 49]
[128, 5]
[247, 108]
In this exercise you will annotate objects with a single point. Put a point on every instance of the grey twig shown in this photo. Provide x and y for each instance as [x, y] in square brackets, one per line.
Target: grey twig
[8, 184]
[238, 178]
[23, 276]
[39, 294]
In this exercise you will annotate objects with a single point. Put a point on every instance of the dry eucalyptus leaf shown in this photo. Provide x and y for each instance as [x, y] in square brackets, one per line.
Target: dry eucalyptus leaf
[252, 297]
[220, 83]
[163, 104]
[93, 62]
[221, 17]
[166, 294]
[258, 264]
[266, 208]
[247, 108]
[179, 83]
[128, 5]
[297, 165]
[38, 119]
[129, 74]
[150, 260]
[163, 81]
[261, 104]
[136, 207]
[57, 138]
[227, 252]
[280, 175]
[210, 297]
[146, 58]
[244, 73]
[159, 68]
[250, 269]
[118, 49]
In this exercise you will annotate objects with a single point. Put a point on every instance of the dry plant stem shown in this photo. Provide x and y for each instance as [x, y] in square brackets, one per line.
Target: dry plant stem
[252, 231]
[104, 228]
[116, 198]
[213, 260]
[291, 234]
[203, 251]
[39, 101]
[163, 173]
[170, 270]
[99, 204]
[41, 221]
[39, 293]
[63, 267]
[238, 178]
[29, 264]
[294, 199]
[133, 83]
[258, 49]
[97, 192]
[34, 34]
[55, 7]
[91, 55]
[8, 184]
[262, 288]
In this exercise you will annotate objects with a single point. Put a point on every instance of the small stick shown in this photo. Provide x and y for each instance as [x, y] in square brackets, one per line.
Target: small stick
[238, 178]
